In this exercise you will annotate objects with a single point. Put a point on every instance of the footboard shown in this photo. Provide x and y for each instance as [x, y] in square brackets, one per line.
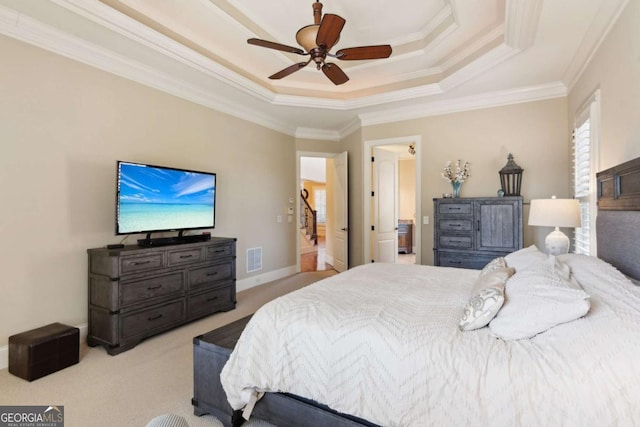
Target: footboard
[210, 353]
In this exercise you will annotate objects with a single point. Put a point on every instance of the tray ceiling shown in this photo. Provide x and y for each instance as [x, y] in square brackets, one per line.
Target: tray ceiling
[447, 55]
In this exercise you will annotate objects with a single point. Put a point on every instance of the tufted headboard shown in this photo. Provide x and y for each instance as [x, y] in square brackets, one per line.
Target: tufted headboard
[618, 221]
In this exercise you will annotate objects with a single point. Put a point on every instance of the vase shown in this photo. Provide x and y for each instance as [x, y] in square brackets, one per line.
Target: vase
[456, 188]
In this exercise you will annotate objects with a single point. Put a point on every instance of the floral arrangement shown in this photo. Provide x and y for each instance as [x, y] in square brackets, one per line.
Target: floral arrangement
[459, 174]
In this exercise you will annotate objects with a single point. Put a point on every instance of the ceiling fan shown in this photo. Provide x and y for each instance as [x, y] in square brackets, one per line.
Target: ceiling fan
[317, 40]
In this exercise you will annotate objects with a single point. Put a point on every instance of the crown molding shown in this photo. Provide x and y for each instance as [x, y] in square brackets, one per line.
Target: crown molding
[322, 134]
[121, 24]
[474, 102]
[31, 31]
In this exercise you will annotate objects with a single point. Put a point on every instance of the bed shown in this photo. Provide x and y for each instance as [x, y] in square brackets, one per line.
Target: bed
[382, 344]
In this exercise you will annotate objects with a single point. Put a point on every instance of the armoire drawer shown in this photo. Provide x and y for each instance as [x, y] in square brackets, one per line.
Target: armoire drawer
[457, 208]
[456, 225]
[462, 260]
[456, 242]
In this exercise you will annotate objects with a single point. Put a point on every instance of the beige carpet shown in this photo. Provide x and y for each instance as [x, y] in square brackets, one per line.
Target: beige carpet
[154, 378]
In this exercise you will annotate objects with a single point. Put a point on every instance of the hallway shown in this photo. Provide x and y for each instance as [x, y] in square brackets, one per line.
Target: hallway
[315, 260]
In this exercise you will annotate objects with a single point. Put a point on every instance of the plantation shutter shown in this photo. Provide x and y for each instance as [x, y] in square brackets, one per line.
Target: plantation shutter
[584, 170]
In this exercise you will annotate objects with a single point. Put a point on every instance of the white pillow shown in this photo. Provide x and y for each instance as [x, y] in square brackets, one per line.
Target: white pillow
[524, 257]
[537, 299]
[488, 297]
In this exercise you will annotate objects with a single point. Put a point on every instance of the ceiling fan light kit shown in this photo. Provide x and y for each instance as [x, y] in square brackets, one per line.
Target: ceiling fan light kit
[317, 40]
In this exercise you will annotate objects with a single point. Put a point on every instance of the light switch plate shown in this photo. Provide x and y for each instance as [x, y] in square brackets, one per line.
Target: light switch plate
[425, 219]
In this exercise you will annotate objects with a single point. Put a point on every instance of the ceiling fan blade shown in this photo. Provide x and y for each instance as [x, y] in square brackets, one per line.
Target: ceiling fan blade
[289, 70]
[334, 73]
[329, 31]
[364, 52]
[276, 46]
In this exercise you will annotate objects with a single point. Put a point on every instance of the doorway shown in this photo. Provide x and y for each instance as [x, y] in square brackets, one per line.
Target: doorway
[392, 207]
[322, 212]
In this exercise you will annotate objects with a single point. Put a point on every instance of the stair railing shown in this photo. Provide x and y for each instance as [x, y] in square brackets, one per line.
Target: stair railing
[308, 218]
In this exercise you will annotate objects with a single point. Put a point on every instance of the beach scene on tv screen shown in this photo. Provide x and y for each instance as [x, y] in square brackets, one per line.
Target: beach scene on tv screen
[154, 198]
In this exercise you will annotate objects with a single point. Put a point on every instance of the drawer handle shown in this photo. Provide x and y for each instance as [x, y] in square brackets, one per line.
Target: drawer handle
[186, 256]
[141, 262]
[212, 299]
[159, 316]
[212, 274]
[455, 225]
[455, 262]
[151, 288]
[219, 250]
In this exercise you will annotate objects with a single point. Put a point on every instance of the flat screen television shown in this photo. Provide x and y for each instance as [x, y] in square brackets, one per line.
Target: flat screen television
[152, 198]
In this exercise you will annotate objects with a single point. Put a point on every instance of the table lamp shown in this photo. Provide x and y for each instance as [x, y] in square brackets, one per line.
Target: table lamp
[555, 213]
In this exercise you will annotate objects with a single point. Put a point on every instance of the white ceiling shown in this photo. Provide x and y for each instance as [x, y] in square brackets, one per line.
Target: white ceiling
[448, 55]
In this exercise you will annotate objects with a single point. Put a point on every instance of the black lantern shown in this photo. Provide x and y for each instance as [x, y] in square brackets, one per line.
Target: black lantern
[511, 177]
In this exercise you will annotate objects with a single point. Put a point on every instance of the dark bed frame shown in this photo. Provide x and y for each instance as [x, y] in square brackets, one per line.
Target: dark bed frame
[618, 237]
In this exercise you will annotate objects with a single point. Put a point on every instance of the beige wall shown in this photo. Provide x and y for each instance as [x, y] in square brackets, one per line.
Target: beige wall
[535, 132]
[407, 189]
[615, 69]
[63, 125]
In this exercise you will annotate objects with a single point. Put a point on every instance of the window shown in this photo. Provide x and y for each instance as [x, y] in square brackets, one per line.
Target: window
[585, 142]
[320, 204]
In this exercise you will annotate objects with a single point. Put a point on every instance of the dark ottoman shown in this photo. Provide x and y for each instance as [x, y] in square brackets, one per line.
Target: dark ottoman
[42, 351]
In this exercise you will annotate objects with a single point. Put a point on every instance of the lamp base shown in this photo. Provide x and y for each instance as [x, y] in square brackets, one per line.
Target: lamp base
[557, 243]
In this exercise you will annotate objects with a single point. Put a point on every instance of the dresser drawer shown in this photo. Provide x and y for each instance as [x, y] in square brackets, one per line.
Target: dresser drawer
[133, 264]
[210, 274]
[455, 242]
[457, 208]
[210, 302]
[462, 260]
[185, 256]
[446, 225]
[141, 290]
[152, 319]
[219, 251]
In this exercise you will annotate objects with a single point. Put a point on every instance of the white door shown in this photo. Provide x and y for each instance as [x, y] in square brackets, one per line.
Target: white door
[385, 206]
[340, 213]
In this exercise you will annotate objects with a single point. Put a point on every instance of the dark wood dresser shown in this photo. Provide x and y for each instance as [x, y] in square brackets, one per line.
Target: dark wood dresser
[137, 292]
[405, 236]
[470, 232]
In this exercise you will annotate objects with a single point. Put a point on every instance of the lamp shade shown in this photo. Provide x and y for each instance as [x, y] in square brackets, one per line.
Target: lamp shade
[555, 212]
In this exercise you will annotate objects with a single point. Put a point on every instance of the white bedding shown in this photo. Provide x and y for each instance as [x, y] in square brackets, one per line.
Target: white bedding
[381, 342]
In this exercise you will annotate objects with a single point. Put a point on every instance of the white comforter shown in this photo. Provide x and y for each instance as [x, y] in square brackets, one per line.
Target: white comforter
[381, 342]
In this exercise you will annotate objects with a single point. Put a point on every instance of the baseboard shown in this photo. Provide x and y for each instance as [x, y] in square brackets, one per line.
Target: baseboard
[261, 279]
[4, 350]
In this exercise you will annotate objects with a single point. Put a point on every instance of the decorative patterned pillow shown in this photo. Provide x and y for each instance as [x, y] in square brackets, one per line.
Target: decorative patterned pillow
[494, 264]
[538, 298]
[488, 297]
[524, 257]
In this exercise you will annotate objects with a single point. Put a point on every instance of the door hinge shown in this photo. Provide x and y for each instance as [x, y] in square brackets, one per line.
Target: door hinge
[373, 194]
[373, 159]
[373, 228]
